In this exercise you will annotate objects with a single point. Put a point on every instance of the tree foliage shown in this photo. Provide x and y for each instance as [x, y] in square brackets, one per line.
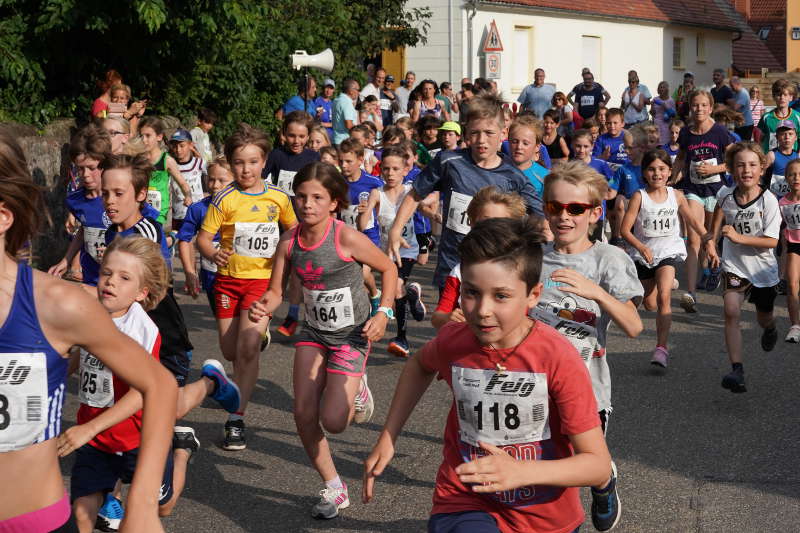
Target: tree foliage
[229, 55]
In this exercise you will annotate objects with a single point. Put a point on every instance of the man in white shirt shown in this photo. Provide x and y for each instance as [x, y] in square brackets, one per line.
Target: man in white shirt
[374, 87]
[404, 92]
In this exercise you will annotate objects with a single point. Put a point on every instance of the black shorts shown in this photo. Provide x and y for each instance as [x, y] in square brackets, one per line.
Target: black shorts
[424, 242]
[645, 272]
[405, 270]
[762, 297]
[792, 247]
[98, 471]
[175, 352]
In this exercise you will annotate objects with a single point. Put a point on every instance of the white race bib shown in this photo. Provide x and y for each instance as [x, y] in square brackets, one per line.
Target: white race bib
[697, 178]
[582, 336]
[255, 239]
[457, 219]
[587, 100]
[96, 383]
[94, 240]
[791, 216]
[329, 310]
[779, 186]
[350, 217]
[386, 104]
[23, 399]
[773, 140]
[154, 199]
[501, 407]
[748, 222]
[207, 264]
[660, 222]
[285, 181]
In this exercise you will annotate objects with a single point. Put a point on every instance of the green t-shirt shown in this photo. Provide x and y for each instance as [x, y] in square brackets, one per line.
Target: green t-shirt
[158, 189]
[769, 123]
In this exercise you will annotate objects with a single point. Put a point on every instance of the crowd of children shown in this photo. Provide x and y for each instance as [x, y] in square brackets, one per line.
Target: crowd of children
[545, 236]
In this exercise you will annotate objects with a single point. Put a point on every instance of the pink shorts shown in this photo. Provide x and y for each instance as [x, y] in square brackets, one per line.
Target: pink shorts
[43, 520]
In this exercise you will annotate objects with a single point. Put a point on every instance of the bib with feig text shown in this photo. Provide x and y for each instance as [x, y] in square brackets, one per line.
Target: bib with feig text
[285, 181]
[256, 239]
[94, 239]
[329, 310]
[23, 399]
[96, 383]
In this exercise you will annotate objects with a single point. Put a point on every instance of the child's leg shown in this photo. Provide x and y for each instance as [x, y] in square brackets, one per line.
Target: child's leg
[400, 308]
[228, 336]
[664, 278]
[732, 304]
[337, 405]
[85, 509]
[248, 350]
[369, 282]
[793, 287]
[193, 395]
[650, 293]
[693, 244]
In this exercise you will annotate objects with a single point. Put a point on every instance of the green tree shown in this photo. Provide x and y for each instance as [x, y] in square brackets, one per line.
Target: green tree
[230, 55]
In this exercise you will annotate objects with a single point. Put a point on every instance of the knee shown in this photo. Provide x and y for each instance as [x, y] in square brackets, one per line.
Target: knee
[650, 305]
[305, 416]
[334, 422]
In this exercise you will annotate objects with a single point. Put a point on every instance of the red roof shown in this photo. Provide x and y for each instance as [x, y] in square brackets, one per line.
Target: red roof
[771, 14]
[749, 51]
[704, 13]
[768, 10]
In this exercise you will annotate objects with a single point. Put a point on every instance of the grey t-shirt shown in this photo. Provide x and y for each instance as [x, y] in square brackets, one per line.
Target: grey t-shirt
[537, 99]
[583, 322]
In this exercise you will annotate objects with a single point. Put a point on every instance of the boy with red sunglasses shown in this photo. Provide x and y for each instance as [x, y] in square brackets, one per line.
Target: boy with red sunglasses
[586, 286]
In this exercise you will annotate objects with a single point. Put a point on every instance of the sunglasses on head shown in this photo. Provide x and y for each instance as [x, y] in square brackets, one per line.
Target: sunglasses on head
[573, 208]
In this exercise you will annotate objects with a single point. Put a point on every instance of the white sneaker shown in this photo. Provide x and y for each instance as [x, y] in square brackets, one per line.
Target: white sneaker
[793, 335]
[676, 284]
[331, 500]
[364, 403]
[688, 303]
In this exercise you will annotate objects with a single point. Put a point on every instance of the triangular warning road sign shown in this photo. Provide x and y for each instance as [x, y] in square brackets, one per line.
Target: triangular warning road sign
[492, 43]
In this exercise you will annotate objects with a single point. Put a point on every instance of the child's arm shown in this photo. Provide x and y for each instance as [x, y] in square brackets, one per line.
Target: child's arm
[404, 212]
[677, 167]
[430, 207]
[186, 253]
[713, 236]
[683, 209]
[756, 242]
[624, 314]
[626, 229]
[414, 381]
[205, 244]
[564, 148]
[174, 171]
[281, 270]
[498, 471]
[74, 247]
[365, 211]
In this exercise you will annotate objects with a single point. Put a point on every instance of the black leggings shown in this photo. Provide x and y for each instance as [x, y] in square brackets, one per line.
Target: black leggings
[69, 526]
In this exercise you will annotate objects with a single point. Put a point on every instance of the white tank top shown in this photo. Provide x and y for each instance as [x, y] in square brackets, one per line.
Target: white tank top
[386, 215]
[657, 226]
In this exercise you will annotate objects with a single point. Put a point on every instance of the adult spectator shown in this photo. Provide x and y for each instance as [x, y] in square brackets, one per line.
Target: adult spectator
[428, 104]
[741, 103]
[388, 100]
[466, 94]
[756, 109]
[324, 106]
[448, 98]
[405, 91]
[537, 96]
[722, 93]
[344, 111]
[374, 87]
[303, 100]
[100, 105]
[681, 96]
[663, 110]
[634, 101]
[482, 86]
[588, 96]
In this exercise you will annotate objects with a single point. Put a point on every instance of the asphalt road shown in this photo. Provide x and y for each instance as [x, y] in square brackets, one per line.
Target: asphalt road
[691, 455]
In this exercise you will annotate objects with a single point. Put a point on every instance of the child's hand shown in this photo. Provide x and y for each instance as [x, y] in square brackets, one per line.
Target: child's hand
[495, 472]
[711, 253]
[192, 284]
[258, 310]
[457, 315]
[577, 284]
[221, 257]
[731, 233]
[187, 201]
[362, 207]
[374, 465]
[73, 438]
[375, 327]
[606, 153]
[647, 254]
[703, 169]
[58, 269]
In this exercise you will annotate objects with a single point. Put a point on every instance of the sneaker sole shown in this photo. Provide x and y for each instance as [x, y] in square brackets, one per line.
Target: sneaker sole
[420, 310]
[219, 368]
[233, 447]
[186, 429]
[286, 332]
[689, 307]
[658, 364]
[619, 500]
[344, 505]
[792, 340]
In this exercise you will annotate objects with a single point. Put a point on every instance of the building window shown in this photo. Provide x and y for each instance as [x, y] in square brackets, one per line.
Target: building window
[523, 55]
[677, 52]
[591, 55]
[763, 33]
[700, 48]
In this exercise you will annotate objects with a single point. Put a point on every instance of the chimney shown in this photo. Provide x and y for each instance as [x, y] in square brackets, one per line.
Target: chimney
[743, 7]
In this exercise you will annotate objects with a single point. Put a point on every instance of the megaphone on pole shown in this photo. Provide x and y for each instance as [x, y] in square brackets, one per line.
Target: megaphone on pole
[322, 60]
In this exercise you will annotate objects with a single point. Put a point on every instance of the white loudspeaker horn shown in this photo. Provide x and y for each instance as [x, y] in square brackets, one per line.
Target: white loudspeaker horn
[322, 60]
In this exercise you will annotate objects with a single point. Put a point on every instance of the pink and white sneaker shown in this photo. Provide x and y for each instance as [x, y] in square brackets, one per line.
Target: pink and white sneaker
[660, 356]
[331, 500]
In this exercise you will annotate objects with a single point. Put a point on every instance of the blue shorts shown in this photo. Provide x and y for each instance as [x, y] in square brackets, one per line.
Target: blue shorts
[466, 522]
[98, 471]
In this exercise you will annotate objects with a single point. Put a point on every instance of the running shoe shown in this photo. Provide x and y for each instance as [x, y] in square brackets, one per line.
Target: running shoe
[676, 284]
[183, 438]
[266, 338]
[660, 356]
[703, 281]
[364, 403]
[606, 507]
[399, 347]
[234, 435]
[713, 279]
[288, 327]
[768, 339]
[688, 302]
[375, 303]
[331, 500]
[110, 515]
[415, 303]
[734, 381]
[793, 335]
[226, 392]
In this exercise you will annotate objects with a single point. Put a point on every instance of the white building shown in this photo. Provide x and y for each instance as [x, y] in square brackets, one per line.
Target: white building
[660, 39]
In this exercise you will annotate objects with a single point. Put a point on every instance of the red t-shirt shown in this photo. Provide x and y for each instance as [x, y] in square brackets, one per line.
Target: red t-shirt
[450, 298]
[529, 409]
[99, 389]
[98, 105]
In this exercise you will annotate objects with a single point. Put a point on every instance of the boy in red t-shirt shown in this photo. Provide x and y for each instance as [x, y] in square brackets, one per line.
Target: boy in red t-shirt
[523, 431]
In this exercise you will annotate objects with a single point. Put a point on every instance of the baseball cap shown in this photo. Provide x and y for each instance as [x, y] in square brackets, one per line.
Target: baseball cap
[390, 78]
[329, 83]
[451, 126]
[785, 125]
[688, 74]
[180, 135]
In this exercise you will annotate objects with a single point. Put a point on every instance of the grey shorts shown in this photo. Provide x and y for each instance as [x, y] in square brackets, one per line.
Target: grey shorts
[345, 355]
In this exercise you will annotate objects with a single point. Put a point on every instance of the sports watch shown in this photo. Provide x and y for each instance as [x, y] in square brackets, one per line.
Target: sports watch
[388, 311]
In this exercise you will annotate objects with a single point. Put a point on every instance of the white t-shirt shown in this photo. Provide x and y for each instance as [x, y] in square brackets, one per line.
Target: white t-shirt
[192, 171]
[759, 218]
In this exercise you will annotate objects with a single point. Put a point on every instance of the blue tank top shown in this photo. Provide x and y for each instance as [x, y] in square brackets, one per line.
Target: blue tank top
[92, 216]
[30, 368]
[781, 160]
[360, 190]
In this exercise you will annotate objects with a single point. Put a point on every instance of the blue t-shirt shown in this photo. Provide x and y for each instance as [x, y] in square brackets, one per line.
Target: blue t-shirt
[148, 228]
[781, 160]
[537, 99]
[457, 178]
[92, 216]
[536, 173]
[629, 178]
[602, 167]
[364, 185]
[544, 157]
[742, 99]
[327, 113]
[619, 155]
[343, 110]
[298, 103]
[190, 227]
[422, 224]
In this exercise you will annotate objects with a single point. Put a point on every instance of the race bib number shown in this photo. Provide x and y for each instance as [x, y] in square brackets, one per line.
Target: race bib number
[582, 336]
[501, 407]
[386, 104]
[94, 240]
[457, 219]
[255, 239]
[773, 140]
[747, 222]
[329, 310]
[791, 216]
[350, 217]
[660, 222]
[207, 264]
[779, 186]
[587, 100]
[154, 199]
[96, 385]
[696, 178]
[23, 399]
[285, 181]
[408, 232]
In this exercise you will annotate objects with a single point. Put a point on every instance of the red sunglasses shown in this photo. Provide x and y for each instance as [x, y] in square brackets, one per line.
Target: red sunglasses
[573, 208]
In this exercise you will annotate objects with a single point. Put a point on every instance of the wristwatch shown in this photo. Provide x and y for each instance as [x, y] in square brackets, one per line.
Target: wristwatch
[388, 311]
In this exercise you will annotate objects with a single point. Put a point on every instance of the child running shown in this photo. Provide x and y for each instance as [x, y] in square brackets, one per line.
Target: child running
[522, 430]
[749, 218]
[385, 200]
[32, 303]
[586, 287]
[651, 227]
[790, 212]
[330, 383]
[525, 138]
[192, 169]
[246, 214]
[778, 158]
